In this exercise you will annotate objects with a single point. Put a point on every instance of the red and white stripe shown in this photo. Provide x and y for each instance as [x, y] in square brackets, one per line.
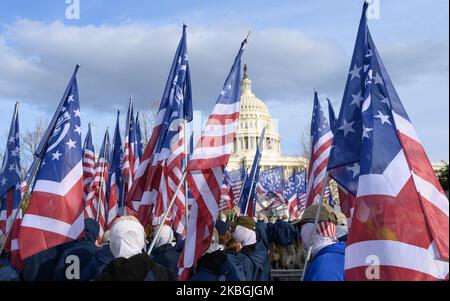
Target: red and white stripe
[96, 198]
[405, 249]
[130, 162]
[88, 171]
[8, 222]
[226, 198]
[327, 229]
[205, 178]
[347, 202]
[62, 222]
[113, 204]
[320, 153]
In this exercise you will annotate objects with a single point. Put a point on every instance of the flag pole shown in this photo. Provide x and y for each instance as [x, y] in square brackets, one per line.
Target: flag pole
[186, 194]
[99, 201]
[127, 132]
[261, 151]
[313, 231]
[172, 201]
[8, 232]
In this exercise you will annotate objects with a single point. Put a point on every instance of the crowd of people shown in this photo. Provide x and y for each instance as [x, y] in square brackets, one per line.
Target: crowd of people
[241, 249]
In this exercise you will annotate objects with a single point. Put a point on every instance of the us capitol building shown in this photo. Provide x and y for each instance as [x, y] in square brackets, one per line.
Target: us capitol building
[254, 116]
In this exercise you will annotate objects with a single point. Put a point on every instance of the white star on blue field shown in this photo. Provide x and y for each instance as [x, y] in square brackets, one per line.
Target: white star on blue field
[126, 48]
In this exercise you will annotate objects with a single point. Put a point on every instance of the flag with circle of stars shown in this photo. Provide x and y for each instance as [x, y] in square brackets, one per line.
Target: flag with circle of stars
[55, 212]
[271, 181]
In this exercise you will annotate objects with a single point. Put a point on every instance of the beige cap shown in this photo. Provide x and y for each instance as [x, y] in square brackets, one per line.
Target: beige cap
[327, 214]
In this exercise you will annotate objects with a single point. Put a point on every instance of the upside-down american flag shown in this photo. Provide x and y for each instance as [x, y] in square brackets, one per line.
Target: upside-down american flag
[206, 168]
[320, 145]
[55, 212]
[160, 172]
[115, 200]
[11, 192]
[96, 198]
[88, 162]
[401, 212]
[227, 196]
[236, 179]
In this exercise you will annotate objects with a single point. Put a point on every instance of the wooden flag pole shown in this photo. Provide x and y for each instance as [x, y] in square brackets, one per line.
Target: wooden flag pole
[172, 201]
[313, 231]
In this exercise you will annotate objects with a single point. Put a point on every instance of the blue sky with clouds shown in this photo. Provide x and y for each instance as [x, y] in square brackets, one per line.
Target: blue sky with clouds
[125, 47]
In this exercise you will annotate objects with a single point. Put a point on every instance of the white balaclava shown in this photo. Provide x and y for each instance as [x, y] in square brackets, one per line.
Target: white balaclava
[341, 230]
[244, 236]
[320, 239]
[127, 238]
[165, 236]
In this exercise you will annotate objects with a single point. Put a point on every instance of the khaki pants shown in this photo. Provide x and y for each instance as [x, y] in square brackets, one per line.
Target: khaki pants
[287, 255]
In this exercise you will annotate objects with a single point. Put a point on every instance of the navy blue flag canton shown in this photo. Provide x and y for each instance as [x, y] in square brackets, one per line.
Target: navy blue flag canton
[177, 99]
[295, 185]
[365, 95]
[10, 172]
[271, 180]
[64, 148]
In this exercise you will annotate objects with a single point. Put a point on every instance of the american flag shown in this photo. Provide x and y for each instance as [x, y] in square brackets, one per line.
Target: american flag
[227, 196]
[236, 180]
[321, 140]
[295, 193]
[115, 200]
[206, 168]
[130, 152]
[96, 198]
[401, 211]
[55, 212]
[88, 162]
[248, 197]
[161, 169]
[10, 192]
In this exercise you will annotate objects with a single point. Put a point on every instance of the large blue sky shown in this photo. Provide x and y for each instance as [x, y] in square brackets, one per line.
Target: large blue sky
[125, 47]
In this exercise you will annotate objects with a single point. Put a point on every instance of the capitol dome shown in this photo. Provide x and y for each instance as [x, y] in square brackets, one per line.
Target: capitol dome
[254, 116]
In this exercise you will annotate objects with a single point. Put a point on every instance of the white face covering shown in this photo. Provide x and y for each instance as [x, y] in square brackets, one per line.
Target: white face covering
[244, 236]
[318, 242]
[165, 236]
[127, 238]
[341, 231]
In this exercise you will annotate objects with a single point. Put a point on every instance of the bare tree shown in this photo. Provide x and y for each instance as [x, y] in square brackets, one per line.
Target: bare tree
[30, 141]
[147, 120]
[305, 142]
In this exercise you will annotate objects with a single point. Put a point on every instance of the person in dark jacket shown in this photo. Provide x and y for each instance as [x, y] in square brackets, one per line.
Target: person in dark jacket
[285, 237]
[7, 272]
[261, 230]
[164, 252]
[84, 250]
[41, 266]
[252, 260]
[214, 265]
[327, 255]
[127, 241]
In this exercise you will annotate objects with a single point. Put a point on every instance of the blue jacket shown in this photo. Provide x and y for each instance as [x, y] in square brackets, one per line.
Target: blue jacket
[84, 250]
[270, 234]
[261, 233]
[215, 267]
[167, 256]
[252, 262]
[284, 233]
[7, 272]
[327, 264]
